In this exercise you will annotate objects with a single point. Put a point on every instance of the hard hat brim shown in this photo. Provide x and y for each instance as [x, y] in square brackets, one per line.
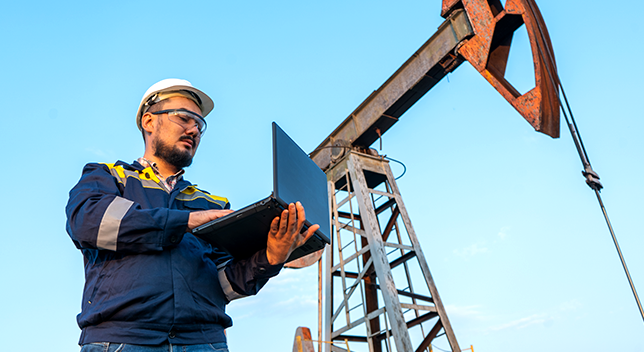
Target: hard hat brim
[206, 104]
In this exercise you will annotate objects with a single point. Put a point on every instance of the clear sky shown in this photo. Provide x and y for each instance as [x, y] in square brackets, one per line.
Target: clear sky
[515, 240]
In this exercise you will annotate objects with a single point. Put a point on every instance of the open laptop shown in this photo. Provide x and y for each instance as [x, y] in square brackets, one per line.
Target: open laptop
[295, 178]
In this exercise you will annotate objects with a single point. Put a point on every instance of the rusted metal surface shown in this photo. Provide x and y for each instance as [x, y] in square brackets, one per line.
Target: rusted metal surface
[432, 335]
[370, 293]
[489, 48]
[479, 31]
[303, 341]
[360, 262]
[405, 87]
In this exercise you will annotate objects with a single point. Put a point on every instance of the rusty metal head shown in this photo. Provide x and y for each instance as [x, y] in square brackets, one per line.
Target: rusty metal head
[489, 48]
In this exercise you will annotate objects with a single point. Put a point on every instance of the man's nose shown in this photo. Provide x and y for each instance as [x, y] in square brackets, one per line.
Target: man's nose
[193, 129]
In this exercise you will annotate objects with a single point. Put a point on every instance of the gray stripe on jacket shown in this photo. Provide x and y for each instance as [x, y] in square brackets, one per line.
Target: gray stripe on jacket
[108, 231]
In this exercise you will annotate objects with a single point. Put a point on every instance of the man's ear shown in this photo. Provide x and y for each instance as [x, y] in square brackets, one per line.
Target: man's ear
[148, 122]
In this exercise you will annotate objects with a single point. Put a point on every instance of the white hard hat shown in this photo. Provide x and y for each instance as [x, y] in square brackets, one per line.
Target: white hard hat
[153, 95]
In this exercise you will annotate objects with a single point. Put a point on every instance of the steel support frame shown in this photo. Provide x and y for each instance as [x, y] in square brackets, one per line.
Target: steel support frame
[373, 236]
[479, 31]
[420, 73]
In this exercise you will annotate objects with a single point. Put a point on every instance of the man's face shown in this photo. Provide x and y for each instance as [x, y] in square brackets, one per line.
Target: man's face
[172, 142]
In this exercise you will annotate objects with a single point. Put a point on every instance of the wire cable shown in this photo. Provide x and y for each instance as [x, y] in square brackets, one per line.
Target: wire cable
[386, 157]
[401, 163]
[440, 349]
[592, 179]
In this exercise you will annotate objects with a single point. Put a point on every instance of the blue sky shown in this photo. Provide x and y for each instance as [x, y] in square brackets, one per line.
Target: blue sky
[514, 238]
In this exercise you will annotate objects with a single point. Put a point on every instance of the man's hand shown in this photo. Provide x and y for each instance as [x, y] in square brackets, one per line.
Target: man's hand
[284, 236]
[198, 218]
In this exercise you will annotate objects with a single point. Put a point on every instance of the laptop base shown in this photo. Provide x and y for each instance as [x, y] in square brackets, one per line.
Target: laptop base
[245, 232]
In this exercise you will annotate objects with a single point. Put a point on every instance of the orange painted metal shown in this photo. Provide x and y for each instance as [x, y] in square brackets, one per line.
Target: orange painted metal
[303, 341]
[488, 51]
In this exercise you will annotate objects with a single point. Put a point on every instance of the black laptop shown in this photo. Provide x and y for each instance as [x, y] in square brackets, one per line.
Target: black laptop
[295, 178]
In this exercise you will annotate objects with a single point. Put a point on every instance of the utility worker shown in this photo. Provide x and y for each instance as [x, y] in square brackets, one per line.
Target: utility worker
[150, 285]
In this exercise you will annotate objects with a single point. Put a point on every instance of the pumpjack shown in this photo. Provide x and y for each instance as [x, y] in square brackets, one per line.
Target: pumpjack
[377, 287]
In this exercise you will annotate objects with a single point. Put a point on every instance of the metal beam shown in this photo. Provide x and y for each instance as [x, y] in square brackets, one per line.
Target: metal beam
[435, 59]
[368, 266]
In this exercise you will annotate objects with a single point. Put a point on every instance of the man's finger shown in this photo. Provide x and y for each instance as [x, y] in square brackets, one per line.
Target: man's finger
[219, 213]
[301, 215]
[310, 232]
[275, 226]
[292, 219]
[283, 222]
[303, 237]
[200, 217]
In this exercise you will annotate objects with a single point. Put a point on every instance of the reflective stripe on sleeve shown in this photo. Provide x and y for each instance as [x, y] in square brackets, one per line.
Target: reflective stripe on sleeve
[191, 193]
[110, 224]
[228, 289]
[222, 266]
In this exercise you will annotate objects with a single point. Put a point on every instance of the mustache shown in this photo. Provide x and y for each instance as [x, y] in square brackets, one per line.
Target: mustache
[194, 142]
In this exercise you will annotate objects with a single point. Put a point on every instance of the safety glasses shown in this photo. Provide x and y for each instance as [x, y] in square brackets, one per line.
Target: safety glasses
[184, 118]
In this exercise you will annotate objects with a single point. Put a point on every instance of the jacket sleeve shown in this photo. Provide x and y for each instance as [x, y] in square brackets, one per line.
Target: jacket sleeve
[241, 278]
[99, 217]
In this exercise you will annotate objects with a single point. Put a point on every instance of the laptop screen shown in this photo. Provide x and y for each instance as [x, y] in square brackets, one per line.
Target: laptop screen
[297, 178]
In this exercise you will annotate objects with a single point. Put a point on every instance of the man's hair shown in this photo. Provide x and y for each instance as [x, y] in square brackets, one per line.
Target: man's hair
[153, 108]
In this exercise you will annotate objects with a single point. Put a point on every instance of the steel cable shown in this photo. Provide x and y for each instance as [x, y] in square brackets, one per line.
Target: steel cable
[591, 176]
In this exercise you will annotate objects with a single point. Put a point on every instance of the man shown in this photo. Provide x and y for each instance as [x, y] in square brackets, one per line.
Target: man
[150, 285]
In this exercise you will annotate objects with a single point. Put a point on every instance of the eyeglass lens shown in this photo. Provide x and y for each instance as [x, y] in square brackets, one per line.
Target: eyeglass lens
[187, 121]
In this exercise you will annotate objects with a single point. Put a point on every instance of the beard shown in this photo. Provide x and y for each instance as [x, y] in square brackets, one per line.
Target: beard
[173, 155]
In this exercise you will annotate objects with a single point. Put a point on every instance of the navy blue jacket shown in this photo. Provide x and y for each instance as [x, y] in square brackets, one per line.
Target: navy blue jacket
[146, 280]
